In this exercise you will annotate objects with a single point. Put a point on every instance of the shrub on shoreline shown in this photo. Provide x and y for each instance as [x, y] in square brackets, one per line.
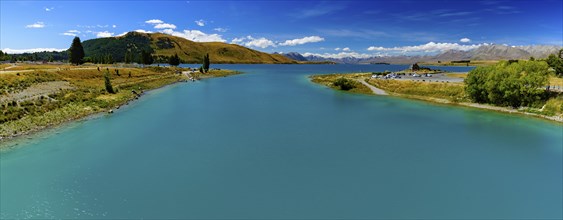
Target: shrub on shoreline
[345, 84]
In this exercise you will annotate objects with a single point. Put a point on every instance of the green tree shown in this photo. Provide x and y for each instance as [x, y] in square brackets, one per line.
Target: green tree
[345, 84]
[107, 83]
[109, 59]
[4, 56]
[146, 58]
[556, 62]
[174, 60]
[206, 62]
[475, 84]
[415, 67]
[128, 56]
[76, 51]
[534, 75]
[508, 84]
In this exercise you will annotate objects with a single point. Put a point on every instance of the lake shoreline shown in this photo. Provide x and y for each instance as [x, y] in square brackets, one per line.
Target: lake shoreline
[485, 107]
[101, 112]
[318, 79]
[6, 142]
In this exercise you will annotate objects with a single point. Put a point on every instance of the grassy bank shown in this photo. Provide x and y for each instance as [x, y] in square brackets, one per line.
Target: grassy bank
[330, 79]
[453, 92]
[440, 92]
[32, 101]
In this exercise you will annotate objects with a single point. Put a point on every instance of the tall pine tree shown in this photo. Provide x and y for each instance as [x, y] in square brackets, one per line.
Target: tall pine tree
[146, 58]
[76, 51]
[128, 56]
[206, 62]
[174, 60]
[107, 83]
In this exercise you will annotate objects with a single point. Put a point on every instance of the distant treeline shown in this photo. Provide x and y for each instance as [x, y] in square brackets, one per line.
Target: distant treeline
[44, 56]
[460, 61]
[108, 58]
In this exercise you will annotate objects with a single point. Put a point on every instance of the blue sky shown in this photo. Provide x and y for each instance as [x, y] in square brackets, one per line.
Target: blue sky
[328, 28]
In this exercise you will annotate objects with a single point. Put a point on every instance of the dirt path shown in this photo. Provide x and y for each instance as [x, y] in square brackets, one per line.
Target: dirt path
[10, 67]
[374, 89]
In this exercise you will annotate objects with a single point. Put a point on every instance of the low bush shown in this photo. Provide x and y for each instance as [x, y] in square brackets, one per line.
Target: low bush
[345, 84]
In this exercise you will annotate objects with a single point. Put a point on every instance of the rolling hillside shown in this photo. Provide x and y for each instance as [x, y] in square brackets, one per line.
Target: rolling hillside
[166, 45]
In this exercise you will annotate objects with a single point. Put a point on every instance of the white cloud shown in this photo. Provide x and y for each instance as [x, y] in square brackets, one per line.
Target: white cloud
[465, 40]
[114, 26]
[49, 9]
[340, 55]
[262, 42]
[154, 21]
[426, 48]
[259, 42]
[299, 41]
[221, 29]
[33, 50]
[94, 26]
[72, 33]
[378, 48]
[159, 24]
[195, 35]
[337, 49]
[200, 22]
[103, 34]
[38, 24]
[138, 31]
[346, 49]
[250, 41]
[143, 31]
[165, 26]
[238, 40]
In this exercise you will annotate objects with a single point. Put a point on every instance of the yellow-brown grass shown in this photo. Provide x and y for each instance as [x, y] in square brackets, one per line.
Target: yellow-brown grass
[87, 95]
[453, 92]
[556, 81]
[193, 52]
[457, 75]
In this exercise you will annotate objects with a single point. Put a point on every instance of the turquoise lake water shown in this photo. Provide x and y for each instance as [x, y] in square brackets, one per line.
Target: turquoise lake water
[269, 144]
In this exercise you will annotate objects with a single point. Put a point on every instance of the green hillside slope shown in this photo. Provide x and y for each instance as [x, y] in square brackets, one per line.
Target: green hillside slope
[166, 45]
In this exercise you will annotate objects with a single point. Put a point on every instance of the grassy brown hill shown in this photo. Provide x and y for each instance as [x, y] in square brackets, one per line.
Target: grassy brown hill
[160, 44]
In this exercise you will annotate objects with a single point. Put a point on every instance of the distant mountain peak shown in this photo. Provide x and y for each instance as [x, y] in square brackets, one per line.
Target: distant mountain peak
[484, 52]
